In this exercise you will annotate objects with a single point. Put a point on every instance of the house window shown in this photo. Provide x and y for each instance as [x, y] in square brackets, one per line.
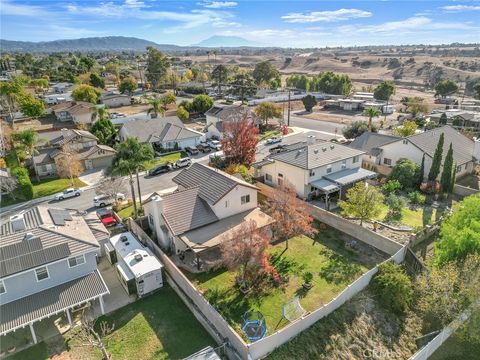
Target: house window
[2, 287]
[150, 219]
[355, 159]
[312, 173]
[42, 273]
[280, 181]
[280, 175]
[405, 141]
[76, 260]
[43, 168]
[344, 164]
[329, 169]
[387, 161]
[459, 168]
[226, 203]
[268, 177]
[245, 199]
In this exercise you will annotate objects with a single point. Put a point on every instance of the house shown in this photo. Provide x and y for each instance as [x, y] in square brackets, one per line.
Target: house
[458, 118]
[115, 100]
[207, 208]
[54, 99]
[80, 112]
[48, 266]
[466, 152]
[62, 87]
[369, 142]
[219, 114]
[314, 168]
[91, 154]
[161, 133]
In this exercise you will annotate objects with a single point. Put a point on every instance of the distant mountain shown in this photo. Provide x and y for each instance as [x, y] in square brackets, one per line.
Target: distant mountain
[108, 43]
[226, 41]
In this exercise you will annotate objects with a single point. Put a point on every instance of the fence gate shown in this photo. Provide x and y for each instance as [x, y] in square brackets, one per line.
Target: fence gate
[412, 263]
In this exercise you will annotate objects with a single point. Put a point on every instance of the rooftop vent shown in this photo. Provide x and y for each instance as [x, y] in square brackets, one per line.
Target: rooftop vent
[28, 236]
[315, 151]
[127, 243]
[138, 257]
[18, 222]
[332, 146]
[324, 148]
[123, 238]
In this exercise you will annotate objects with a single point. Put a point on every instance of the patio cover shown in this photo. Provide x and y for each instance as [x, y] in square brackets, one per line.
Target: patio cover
[324, 185]
[350, 176]
[20, 313]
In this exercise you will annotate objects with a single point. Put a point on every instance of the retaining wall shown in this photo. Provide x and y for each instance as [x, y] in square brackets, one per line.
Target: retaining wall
[464, 191]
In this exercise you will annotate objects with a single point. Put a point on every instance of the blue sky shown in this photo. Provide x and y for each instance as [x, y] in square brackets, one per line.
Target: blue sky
[275, 23]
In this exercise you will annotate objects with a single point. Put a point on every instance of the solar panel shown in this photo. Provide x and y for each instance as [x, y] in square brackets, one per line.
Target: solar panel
[59, 216]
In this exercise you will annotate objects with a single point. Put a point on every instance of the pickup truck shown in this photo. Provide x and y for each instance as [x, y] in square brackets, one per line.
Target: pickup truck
[68, 193]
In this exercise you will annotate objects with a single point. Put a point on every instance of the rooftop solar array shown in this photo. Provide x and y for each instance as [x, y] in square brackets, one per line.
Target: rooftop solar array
[59, 216]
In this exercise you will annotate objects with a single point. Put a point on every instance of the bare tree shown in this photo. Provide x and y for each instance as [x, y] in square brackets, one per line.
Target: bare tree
[8, 184]
[88, 336]
[111, 187]
[68, 163]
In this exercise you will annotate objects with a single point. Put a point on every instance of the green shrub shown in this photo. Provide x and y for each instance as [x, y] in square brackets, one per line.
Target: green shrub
[24, 191]
[395, 204]
[391, 186]
[406, 172]
[393, 287]
[416, 198]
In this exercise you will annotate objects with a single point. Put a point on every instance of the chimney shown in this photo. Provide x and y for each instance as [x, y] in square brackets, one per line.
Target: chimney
[311, 139]
[18, 222]
[476, 149]
[158, 204]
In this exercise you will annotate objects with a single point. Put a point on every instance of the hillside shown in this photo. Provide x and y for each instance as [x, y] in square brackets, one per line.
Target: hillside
[226, 41]
[109, 43]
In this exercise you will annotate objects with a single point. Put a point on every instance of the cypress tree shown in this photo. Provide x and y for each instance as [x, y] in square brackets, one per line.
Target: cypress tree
[454, 178]
[446, 179]
[443, 119]
[437, 160]
[421, 171]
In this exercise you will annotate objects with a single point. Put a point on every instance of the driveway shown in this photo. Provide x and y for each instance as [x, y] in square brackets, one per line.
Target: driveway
[92, 177]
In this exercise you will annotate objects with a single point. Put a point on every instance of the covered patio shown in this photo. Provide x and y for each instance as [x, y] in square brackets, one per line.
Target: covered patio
[324, 188]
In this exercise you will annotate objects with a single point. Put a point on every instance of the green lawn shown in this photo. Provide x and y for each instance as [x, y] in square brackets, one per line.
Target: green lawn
[332, 265]
[413, 217]
[45, 188]
[36, 352]
[173, 157]
[126, 212]
[268, 134]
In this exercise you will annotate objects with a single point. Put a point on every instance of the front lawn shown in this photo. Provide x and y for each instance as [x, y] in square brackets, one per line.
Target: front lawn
[332, 265]
[171, 158]
[268, 134]
[45, 188]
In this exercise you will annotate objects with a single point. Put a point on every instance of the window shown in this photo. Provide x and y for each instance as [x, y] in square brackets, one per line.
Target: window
[76, 260]
[245, 199]
[280, 181]
[459, 168]
[268, 177]
[355, 159]
[43, 168]
[329, 169]
[387, 161]
[344, 164]
[2, 287]
[405, 141]
[42, 273]
[312, 173]
[280, 175]
[150, 219]
[226, 203]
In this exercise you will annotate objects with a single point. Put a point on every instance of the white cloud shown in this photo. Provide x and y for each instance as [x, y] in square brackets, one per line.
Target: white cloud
[135, 4]
[459, 8]
[326, 16]
[9, 8]
[218, 4]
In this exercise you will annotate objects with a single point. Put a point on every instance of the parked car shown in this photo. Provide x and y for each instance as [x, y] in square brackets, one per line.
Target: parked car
[219, 154]
[160, 169]
[104, 200]
[184, 162]
[191, 150]
[277, 149]
[68, 193]
[274, 140]
[204, 148]
[215, 144]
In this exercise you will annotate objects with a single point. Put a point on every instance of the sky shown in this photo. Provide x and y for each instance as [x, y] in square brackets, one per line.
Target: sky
[268, 23]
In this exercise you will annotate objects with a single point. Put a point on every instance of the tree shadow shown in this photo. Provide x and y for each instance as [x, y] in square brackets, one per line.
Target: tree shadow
[427, 215]
[338, 268]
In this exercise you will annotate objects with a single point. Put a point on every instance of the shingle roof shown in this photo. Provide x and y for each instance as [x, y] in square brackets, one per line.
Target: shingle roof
[186, 210]
[162, 129]
[370, 140]
[214, 184]
[32, 218]
[42, 304]
[316, 155]
[231, 112]
[428, 140]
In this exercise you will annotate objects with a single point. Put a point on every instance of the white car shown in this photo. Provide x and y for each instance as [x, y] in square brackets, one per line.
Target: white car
[274, 140]
[104, 200]
[215, 144]
[218, 154]
[68, 193]
[184, 162]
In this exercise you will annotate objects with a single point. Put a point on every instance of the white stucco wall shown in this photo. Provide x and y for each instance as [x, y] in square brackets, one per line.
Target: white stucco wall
[292, 175]
[231, 204]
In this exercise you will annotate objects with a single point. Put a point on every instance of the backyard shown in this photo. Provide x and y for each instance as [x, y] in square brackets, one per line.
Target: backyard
[332, 264]
[157, 327]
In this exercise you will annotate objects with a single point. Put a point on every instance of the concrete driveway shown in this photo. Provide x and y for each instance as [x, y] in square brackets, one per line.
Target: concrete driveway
[92, 177]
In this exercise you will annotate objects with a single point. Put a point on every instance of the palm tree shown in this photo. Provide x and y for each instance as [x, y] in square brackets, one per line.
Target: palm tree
[130, 157]
[156, 107]
[99, 113]
[371, 112]
[27, 140]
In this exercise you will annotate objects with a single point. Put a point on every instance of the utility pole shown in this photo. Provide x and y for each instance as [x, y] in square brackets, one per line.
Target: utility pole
[288, 110]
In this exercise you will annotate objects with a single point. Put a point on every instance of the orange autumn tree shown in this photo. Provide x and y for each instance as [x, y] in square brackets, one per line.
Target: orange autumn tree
[244, 251]
[239, 142]
[290, 214]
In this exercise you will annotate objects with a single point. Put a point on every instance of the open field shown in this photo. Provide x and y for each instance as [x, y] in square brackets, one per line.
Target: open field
[333, 267]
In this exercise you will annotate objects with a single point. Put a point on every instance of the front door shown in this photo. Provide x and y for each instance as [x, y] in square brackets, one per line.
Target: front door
[88, 165]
